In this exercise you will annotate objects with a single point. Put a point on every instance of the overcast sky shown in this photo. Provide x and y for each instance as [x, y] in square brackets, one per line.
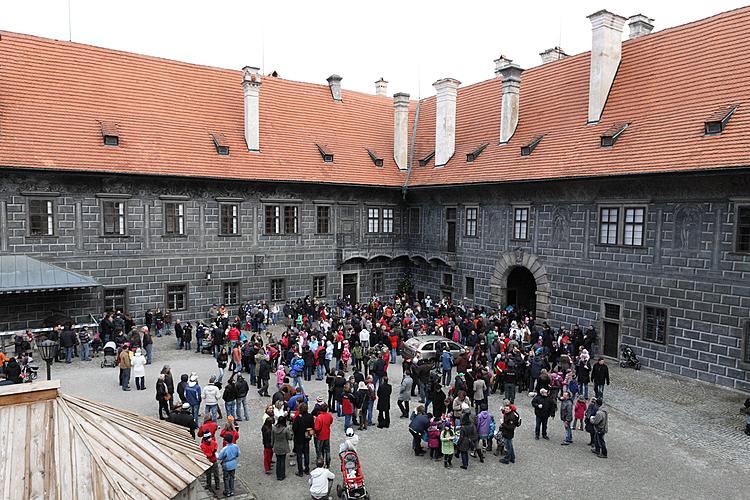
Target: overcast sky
[410, 43]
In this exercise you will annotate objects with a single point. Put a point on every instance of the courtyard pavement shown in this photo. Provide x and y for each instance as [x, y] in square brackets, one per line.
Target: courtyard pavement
[668, 438]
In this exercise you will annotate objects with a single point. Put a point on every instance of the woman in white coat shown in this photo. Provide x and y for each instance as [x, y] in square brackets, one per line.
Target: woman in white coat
[139, 369]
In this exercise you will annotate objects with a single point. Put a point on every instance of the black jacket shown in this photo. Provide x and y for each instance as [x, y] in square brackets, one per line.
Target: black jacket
[547, 406]
[600, 374]
[583, 372]
[241, 388]
[230, 393]
[181, 386]
[300, 426]
[510, 422]
[384, 397]
[161, 390]
[264, 370]
[184, 419]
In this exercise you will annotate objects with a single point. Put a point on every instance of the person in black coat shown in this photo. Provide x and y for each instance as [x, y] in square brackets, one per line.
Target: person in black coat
[544, 408]
[302, 435]
[184, 417]
[384, 404]
[181, 386]
[167, 371]
[162, 396]
[437, 396]
[13, 371]
[600, 376]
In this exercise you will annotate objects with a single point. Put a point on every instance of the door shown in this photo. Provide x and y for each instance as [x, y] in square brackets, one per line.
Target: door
[350, 287]
[450, 219]
[611, 339]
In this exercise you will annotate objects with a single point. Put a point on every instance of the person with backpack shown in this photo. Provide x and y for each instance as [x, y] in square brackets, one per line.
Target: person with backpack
[566, 415]
[601, 427]
[511, 420]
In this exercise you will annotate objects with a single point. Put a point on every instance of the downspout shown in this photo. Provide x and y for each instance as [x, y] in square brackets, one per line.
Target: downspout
[411, 150]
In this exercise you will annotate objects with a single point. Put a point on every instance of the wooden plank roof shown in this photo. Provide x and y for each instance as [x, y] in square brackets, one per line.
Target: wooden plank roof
[55, 445]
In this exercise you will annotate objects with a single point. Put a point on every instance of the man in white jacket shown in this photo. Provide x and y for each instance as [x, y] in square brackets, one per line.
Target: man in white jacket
[320, 479]
[211, 395]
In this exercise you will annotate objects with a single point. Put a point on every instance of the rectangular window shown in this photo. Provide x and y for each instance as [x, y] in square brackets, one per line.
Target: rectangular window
[655, 324]
[174, 218]
[608, 226]
[447, 280]
[230, 219]
[387, 220]
[612, 311]
[743, 229]
[521, 223]
[323, 225]
[290, 219]
[471, 221]
[469, 288]
[115, 299]
[377, 283]
[373, 220]
[177, 297]
[319, 286]
[278, 290]
[231, 293]
[415, 226]
[634, 223]
[114, 217]
[41, 218]
[273, 219]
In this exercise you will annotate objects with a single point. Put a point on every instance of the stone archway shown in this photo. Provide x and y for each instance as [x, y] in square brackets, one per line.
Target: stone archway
[520, 258]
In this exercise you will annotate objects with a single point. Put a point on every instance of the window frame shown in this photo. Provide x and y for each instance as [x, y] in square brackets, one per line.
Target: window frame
[378, 277]
[326, 218]
[633, 224]
[179, 218]
[412, 222]
[271, 287]
[122, 218]
[373, 220]
[469, 221]
[736, 247]
[609, 223]
[291, 219]
[315, 286]
[519, 223]
[644, 326]
[472, 280]
[386, 221]
[112, 289]
[447, 283]
[238, 292]
[272, 219]
[186, 293]
[236, 218]
[622, 224]
[49, 218]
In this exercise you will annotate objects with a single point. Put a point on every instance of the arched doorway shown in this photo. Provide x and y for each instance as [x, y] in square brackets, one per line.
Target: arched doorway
[529, 263]
[520, 290]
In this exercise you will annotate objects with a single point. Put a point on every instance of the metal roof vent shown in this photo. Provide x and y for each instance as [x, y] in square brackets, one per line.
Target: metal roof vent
[325, 154]
[717, 122]
[530, 147]
[377, 160]
[610, 136]
[470, 157]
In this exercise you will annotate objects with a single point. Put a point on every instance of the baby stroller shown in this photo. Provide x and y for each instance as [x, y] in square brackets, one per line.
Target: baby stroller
[628, 358]
[110, 355]
[353, 486]
[207, 346]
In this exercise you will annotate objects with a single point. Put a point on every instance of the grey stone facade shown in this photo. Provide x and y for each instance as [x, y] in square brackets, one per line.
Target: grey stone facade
[686, 267]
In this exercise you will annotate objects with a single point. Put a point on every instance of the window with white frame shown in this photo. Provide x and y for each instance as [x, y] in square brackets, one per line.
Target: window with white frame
[387, 220]
[177, 297]
[608, 223]
[231, 293]
[373, 220]
[174, 219]
[622, 225]
[291, 219]
[230, 219]
[521, 223]
[472, 214]
[655, 324]
[273, 219]
[634, 224]
[41, 217]
[319, 286]
[278, 289]
[114, 217]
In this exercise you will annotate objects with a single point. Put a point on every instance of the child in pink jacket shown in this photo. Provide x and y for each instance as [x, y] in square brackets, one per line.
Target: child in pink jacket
[579, 412]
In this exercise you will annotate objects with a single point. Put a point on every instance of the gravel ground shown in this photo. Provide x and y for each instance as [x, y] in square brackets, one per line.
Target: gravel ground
[669, 438]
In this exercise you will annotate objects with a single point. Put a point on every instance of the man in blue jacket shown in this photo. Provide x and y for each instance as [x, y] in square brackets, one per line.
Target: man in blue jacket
[297, 366]
[228, 457]
[446, 363]
[193, 396]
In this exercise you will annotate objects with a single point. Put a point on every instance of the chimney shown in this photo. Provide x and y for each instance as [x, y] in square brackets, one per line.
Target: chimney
[606, 48]
[640, 25]
[251, 88]
[511, 76]
[381, 87]
[401, 130]
[445, 119]
[553, 54]
[334, 82]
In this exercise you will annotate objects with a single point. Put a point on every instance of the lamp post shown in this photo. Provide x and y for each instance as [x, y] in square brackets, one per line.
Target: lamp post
[48, 351]
[209, 272]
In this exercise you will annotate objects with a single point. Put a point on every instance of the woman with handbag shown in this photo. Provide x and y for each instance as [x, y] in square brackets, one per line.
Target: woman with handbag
[163, 397]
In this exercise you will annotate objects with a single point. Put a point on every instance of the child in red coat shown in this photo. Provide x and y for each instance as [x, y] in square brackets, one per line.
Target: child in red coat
[579, 412]
[433, 439]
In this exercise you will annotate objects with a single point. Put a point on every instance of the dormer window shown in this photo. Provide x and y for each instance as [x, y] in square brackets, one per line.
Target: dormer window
[470, 157]
[220, 143]
[424, 161]
[530, 147]
[110, 133]
[610, 136]
[717, 122]
[325, 154]
[377, 160]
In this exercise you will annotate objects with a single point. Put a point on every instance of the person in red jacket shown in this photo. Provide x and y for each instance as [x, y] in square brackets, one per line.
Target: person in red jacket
[233, 335]
[208, 447]
[323, 423]
[208, 426]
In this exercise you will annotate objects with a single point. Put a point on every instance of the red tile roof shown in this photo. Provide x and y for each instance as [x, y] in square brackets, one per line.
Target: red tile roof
[54, 96]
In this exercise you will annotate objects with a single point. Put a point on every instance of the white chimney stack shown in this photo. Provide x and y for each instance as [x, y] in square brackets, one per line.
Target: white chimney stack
[381, 87]
[401, 130]
[511, 76]
[553, 54]
[445, 119]
[251, 88]
[334, 82]
[640, 25]
[606, 50]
